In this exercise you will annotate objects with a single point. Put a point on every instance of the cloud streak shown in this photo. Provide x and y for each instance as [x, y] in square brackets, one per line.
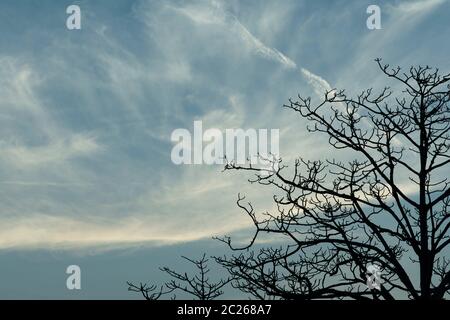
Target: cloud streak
[217, 14]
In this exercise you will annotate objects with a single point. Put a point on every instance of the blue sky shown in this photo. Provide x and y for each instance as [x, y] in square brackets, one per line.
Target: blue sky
[86, 117]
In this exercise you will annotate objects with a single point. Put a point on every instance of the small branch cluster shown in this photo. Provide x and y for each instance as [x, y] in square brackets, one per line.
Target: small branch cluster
[199, 286]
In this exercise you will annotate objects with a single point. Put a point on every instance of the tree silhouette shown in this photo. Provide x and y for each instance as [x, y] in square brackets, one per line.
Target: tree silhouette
[198, 286]
[149, 292]
[341, 221]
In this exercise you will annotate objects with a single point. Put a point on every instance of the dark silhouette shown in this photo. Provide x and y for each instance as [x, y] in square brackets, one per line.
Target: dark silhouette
[351, 230]
[341, 221]
[149, 292]
[198, 286]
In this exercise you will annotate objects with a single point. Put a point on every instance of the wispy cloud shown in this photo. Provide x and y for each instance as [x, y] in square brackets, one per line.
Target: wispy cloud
[85, 129]
[215, 13]
[418, 7]
[102, 180]
[56, 151]
[59, 232]
[320, 85]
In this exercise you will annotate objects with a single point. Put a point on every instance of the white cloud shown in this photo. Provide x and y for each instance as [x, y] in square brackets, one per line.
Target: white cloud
[23, 105]
[44, 231]
[320, 85]
[55, 152]
[60, 201]
[419, 7]
[216, 14]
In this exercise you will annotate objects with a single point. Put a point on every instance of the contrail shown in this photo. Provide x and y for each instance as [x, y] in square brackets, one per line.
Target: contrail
[216, 14]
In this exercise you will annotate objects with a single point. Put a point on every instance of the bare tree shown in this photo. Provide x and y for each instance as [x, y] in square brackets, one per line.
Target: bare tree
[149, 292]
[199, 285]
[386, 210]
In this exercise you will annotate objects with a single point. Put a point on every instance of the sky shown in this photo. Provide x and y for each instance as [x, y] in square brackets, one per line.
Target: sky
[86, 118]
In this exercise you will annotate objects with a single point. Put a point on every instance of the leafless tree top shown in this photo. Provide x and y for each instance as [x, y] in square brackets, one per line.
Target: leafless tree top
[387, 208]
